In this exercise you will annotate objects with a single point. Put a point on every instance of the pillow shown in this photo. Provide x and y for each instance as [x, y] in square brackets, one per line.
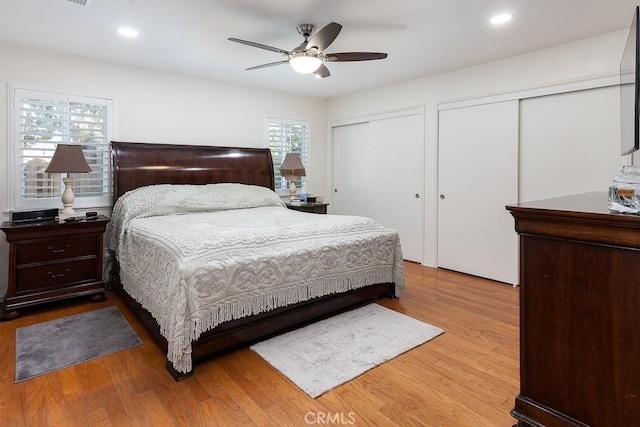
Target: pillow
[169, 199]
[165, 199]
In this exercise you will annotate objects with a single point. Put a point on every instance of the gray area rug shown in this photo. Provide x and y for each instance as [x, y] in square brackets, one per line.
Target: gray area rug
[50, 346]
[326, 354]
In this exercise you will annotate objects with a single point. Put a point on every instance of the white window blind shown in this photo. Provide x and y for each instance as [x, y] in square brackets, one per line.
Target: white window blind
[287, 136]
[41, 120]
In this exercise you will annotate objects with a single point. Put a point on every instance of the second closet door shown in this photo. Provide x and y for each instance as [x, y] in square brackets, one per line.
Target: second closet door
[379, 173]
[477, 177]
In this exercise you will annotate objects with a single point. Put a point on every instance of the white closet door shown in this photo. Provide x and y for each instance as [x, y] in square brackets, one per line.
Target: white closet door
[477, 178]
[351, 169]
[569, 143]
[379, 173]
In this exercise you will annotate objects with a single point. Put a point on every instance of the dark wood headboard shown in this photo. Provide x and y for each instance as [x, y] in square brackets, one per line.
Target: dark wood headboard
[139, 164]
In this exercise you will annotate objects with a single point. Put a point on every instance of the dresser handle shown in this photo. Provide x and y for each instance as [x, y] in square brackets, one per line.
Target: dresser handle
[58, 251]
[57, 276]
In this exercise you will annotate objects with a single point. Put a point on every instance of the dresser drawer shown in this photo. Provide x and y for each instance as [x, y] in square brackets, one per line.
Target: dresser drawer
[55, 249]
[55, 274]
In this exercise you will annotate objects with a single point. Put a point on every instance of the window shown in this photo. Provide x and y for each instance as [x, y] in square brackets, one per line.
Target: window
[287, 136]
[41, 120]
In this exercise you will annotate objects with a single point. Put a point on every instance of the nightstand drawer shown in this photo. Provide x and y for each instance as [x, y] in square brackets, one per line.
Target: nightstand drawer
[55, 274]
[55, 249]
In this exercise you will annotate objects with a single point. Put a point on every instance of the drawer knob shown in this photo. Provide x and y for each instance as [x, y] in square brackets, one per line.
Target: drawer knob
[58, 275]
[59, 251]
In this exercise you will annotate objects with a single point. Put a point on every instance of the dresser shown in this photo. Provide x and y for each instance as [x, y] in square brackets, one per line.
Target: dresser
[579, 313]
[50, 261]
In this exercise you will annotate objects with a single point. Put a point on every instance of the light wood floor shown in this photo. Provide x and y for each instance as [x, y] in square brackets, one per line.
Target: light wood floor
[466, 377]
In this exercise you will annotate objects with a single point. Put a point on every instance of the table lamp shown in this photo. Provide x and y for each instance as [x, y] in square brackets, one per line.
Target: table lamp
[291, 169]
[68, 159]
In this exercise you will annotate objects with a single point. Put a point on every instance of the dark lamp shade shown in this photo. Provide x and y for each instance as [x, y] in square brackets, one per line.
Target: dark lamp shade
[69, 159]
[292, 166]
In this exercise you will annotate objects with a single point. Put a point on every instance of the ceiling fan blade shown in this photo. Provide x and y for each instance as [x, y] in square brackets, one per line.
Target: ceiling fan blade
[259, 46]
[354, 56]
[270, 64]
[323, 38]
[322, 71]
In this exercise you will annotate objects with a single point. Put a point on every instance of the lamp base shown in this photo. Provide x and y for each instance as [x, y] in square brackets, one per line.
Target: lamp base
[292, 190]
[67, 199]
[66, 213]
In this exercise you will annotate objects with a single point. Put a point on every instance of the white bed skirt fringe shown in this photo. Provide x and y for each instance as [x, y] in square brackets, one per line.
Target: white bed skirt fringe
[179, 348]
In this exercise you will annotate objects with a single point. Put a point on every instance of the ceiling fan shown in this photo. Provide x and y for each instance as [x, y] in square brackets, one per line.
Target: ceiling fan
[309, 56]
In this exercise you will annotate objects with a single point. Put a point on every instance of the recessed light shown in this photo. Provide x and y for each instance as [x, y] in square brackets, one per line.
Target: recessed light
[502, 18]
[128, 32]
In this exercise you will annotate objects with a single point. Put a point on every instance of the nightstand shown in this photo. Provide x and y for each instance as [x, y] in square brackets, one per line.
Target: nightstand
[51, 261]
[318, 208]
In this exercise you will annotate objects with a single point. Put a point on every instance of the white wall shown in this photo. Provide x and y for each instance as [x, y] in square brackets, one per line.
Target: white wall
[159, 107]
[582, 60]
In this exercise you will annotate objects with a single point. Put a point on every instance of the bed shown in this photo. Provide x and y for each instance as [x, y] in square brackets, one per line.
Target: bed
[209, 258]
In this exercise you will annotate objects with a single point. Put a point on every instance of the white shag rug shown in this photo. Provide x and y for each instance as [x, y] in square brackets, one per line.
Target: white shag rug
[326, 354]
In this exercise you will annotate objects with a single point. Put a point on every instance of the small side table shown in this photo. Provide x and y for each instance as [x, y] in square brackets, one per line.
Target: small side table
[51, 261]
[318, 208]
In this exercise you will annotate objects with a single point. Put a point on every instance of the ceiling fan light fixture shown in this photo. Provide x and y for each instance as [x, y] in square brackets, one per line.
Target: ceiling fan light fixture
[309, 57]
[304, 63]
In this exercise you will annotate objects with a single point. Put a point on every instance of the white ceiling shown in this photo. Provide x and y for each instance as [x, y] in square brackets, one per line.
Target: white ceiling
[422, 37]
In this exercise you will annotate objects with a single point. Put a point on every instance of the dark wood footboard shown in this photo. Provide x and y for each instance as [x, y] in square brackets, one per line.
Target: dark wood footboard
[241, 332]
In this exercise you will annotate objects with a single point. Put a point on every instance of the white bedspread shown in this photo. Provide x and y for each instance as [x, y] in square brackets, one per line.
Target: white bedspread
[193, 270]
